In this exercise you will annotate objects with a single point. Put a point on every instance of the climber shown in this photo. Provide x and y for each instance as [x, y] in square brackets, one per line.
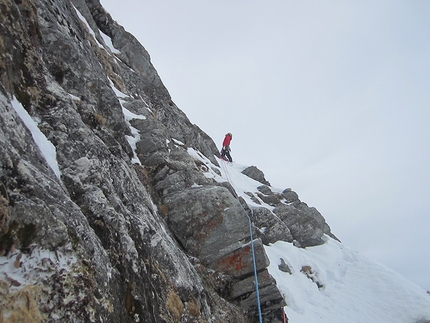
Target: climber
[225, 151]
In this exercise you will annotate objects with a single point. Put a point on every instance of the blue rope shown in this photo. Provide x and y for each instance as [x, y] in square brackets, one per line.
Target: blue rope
[252, 249]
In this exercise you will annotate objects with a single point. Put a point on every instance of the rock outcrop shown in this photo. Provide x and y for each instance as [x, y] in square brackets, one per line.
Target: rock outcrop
[119, 223]
[255, 173]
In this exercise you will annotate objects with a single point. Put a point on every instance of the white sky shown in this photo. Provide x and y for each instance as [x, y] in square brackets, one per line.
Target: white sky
[330, 98]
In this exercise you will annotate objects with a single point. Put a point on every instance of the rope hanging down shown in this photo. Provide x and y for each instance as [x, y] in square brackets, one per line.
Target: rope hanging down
[257, 291]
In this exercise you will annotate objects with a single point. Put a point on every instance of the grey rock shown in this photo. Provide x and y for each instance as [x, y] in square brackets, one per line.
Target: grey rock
[267, 196]
[272, 228]
[253, 198]
[265, 190]
[284, 267]
[239, 263]
[306, 224]
[290, 196]
[212, 226]
[272, 200]
[208, 221]
[245, 292]
[256, 174]
[247, 286]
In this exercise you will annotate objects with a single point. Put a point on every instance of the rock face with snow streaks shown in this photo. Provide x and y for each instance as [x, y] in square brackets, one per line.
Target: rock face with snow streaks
[131, 229]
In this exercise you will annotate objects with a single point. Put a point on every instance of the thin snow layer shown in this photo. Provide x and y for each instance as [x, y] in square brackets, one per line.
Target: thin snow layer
[21, 270]
[128, 115]
[355, 289]
[90, 30]
[135, 137]
[232, 173]
[45, 146]
[107, 40]
[341, 286]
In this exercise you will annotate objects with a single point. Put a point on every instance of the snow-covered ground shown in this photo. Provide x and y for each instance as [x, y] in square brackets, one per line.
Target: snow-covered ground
[331, 283]
[354, 289]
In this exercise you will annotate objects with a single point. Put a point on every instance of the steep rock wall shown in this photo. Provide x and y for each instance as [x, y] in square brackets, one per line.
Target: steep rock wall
[123, 264]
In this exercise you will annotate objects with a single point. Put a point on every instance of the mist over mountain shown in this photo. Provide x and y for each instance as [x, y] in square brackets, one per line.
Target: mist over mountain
[114, 207]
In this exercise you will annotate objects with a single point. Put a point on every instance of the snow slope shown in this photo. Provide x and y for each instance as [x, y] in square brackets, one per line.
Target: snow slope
[355, 289]
[341, 286]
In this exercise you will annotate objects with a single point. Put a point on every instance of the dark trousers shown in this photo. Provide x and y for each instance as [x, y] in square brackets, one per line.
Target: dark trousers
[226, 153]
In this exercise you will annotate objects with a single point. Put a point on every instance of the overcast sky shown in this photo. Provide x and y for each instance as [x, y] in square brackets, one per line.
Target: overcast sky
[330, 98]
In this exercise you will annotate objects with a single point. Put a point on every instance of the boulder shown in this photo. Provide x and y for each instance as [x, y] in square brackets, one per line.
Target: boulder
[306, 224]
[284, 267]
[265, 190]
[271, 227]
[256, 174]
[208, 221]
[290, 196]
[272, 200]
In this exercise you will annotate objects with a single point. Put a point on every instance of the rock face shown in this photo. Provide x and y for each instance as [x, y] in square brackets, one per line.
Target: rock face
[121, 224]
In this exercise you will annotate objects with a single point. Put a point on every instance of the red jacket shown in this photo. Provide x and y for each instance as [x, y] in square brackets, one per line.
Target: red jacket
[227, 140]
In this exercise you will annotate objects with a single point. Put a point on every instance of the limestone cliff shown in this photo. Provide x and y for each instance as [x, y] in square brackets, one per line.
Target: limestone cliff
[124, 225]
